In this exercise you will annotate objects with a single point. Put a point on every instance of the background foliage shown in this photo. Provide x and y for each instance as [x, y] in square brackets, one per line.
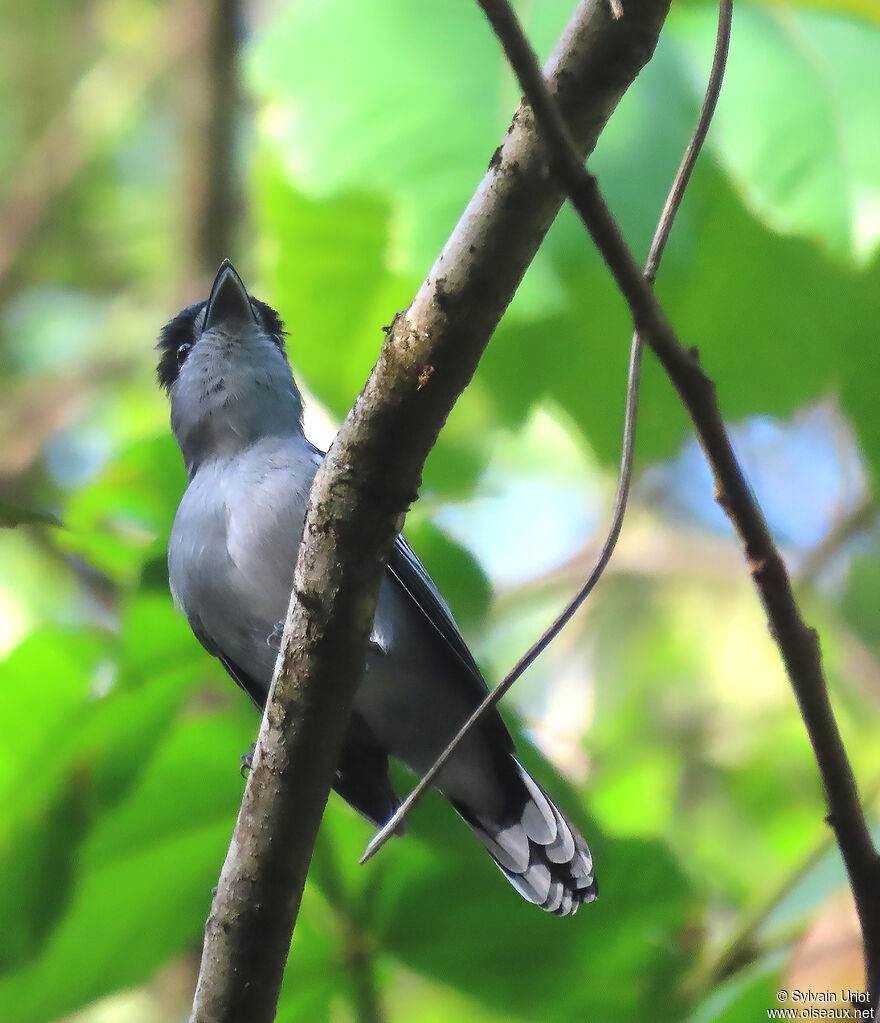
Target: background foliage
[663, 714]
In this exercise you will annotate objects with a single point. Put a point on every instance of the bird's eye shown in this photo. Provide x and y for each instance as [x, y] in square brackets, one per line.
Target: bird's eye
[182, 353]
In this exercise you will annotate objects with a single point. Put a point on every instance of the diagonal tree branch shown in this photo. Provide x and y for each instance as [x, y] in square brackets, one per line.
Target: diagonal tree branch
[798, 643]
[624, 478]
[369, 477]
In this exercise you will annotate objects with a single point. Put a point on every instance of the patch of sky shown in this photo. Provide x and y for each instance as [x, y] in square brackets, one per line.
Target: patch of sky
[541, 496]
[75, 455]
[806, 472]
[65, 321]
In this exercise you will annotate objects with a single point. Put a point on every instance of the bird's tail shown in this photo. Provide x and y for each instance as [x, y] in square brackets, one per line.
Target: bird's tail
[542, 855]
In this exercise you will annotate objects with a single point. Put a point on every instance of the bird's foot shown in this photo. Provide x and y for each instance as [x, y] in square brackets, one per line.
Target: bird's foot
[247, 761]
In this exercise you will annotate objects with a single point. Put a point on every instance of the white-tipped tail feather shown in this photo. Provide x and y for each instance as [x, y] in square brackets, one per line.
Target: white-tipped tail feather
[541, 854]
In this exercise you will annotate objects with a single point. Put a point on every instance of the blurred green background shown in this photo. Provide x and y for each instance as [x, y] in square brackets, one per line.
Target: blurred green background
[331, 167]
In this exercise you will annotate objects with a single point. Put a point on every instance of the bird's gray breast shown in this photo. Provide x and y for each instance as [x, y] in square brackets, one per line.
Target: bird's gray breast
[233, 548]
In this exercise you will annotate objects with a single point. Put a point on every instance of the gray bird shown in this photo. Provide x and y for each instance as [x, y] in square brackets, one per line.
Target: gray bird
[236, 413]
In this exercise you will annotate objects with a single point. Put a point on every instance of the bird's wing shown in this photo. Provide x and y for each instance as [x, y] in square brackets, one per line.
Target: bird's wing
[246, 682]
[249, 684]
[411, 575]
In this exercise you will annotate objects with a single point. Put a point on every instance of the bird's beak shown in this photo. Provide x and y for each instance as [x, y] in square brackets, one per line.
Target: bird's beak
[229, 303]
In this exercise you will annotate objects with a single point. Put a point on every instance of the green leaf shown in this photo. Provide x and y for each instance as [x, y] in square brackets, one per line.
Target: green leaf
[310, 245]
[143, 878]
[809, 165]
[446, 912]
[746, 995]
[38, 869]
[574, 340]
[58, 665]
[394, 57]
[336, 246]
[92, 737]
[862, 598]
[117, 521]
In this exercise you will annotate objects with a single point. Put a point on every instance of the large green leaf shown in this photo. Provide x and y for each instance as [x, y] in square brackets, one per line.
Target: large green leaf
[810, 163]
[143, 877]
[315, 247]
[409, 80]
[111, 705]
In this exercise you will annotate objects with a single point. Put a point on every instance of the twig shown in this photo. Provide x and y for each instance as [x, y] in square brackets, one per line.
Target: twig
[366, 482]
[798, 644]
[624, 479]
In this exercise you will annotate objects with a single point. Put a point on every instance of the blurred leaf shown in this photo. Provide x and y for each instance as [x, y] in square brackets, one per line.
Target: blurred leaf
[747, 995]
[91, 741]
[810, 164]
[343, 146]
[61, 663]
[108, 734]
[862, 598]
[434, 901]
[116, 521]
[37, 869]
[45, 806]
[802, 300]
[446, 912]
[312, 247]
[332, 344]
[861, 8]
[315, 977]
[144, 876]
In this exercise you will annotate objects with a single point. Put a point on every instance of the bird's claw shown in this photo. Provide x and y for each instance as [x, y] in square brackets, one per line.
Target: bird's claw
[247, 761]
